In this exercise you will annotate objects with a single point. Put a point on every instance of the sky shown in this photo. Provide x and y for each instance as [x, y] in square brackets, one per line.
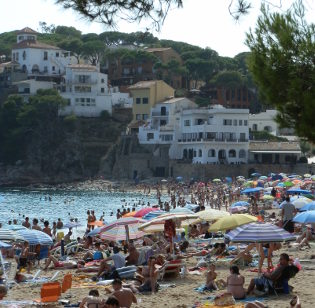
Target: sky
[205, 23]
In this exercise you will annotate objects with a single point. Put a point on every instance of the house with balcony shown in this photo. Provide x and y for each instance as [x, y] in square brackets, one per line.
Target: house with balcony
[146, 94]
[163, 123]
[86, 90]
[214, 135]
[39, 60]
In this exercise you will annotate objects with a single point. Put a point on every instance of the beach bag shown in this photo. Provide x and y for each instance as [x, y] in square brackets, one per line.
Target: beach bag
[224, 299]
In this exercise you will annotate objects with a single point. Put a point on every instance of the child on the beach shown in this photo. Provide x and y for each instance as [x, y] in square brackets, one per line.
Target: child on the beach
[211, 277]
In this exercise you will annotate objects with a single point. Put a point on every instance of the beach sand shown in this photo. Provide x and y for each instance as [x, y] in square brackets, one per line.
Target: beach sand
[183, 293]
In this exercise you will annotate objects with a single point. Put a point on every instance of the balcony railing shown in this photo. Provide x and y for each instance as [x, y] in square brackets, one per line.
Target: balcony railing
[159, 114]
[212, 140]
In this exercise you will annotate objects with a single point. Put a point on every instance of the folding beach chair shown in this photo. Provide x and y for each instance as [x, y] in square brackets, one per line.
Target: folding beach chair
[171, 267]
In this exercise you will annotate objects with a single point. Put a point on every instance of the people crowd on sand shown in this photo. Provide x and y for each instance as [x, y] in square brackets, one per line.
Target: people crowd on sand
[146, 259]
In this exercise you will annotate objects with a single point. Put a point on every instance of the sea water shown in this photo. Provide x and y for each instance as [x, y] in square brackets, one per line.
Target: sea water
[53, 204]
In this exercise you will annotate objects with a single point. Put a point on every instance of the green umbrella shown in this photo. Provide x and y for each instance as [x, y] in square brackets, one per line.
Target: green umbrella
[288, 184]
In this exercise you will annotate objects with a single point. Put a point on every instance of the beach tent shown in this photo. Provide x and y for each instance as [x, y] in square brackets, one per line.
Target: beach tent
[231, 222]
[35, 237]
[259, 232]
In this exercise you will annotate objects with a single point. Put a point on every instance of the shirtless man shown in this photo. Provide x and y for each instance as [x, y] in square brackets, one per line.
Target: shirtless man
[46, 229]
[133, 257]
[26, 223]
[124, 296]
[93, 299]
[35, 225]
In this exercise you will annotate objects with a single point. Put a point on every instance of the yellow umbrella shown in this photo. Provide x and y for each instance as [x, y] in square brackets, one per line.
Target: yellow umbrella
[231, 222]
[268, 197]
[211, 214]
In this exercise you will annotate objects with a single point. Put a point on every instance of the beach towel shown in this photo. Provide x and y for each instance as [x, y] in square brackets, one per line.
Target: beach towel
[202, 289]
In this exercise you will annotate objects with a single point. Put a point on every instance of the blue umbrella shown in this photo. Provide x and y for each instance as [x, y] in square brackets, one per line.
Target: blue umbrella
[181, 210]
[4, 245]
[259, 233]
[35, 237]
[251, 190]
[255, 175]
[153, 214]
[72, 224]
[228, 179]
[15, 227]
[298, 191]
[191, 206]
[240, 203]
[179, 178]
[308, 207]
[307, 217]
[277, 177]
[95, 231]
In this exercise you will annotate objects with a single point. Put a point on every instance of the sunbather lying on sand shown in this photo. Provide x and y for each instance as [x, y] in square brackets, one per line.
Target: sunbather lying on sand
[62, 264]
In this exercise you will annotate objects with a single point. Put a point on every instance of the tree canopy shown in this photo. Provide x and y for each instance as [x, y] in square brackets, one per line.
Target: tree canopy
[282, 63]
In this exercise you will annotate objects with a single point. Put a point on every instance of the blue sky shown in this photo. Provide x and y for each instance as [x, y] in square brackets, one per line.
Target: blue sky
[205, 23]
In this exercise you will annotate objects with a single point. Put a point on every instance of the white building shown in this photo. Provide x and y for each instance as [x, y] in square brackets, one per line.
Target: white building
[164, 121]
[264, 121]
[213, 135]
[39, 59]
[86, 90]
[29, 87]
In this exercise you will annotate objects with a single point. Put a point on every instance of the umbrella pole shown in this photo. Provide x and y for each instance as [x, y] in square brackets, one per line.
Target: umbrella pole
[3, 269]
[127, 233]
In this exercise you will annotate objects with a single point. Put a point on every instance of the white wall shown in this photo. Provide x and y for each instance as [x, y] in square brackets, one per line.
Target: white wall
[264, 120]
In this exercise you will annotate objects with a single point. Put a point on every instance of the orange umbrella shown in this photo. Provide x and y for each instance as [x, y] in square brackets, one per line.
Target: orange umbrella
[96, 223]
[130, 214]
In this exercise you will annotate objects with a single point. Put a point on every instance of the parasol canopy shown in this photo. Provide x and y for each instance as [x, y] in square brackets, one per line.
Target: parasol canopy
[35, 237]
[259, 232]
[232, 221]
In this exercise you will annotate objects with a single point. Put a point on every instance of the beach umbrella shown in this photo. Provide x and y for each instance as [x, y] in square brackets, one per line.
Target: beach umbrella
[176, 216]
[216, 180]
[179, 178]
[251, 190]
[238, 209]
[296, 182]
[309, 196]
[144, 211]
[313, 177]
[191, 206]
[158, 227]
[154, 214]
[259, 232]
[305, 217]
[10, 235]
[263, 177]
[15, 227]
[300, 202]
[35, 237]
[181, 210]
[4, 245]
[71, 224]
[308, 207]
[288, 184]
[228, 179]
[211, 214]
[248, 183]
[122, 229]
[232, 221]
[268, 197]
[240, 179]
[240, 203]
[295, 190]
[307, 175]
[255, 175]
[130, 214]
[164, 181]
[95, 231]
[96, 223]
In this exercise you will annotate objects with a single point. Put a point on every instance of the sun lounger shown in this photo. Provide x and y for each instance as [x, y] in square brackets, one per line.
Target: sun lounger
[171, 267]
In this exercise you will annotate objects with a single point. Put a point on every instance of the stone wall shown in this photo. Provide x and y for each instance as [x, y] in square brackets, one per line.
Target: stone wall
[205, 172]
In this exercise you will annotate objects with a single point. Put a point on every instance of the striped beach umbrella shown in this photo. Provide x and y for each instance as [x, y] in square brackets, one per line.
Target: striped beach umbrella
[10, 235]
[122, 229]
[4, 245]
[144, 211]
[15, 227]
[153, 215]
[35, 237]
[259, 232]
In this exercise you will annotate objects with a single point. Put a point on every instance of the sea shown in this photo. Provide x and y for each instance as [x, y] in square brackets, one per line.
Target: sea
[53, 204]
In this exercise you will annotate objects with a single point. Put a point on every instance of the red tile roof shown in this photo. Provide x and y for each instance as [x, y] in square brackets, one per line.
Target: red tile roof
[33, 44]
[27, 30]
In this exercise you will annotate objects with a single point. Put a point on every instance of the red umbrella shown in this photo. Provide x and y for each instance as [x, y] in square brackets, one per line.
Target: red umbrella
[144, 211]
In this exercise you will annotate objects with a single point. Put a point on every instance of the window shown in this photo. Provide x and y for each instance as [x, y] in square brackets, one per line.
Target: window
[83, 78]
[227, 122]
[24, 55]
[57, 54]
[232, 153]
[195, 153]
[242, 154]
[45, 69]
[150, 136]
[102, 90]
[102, 80]
[138, 100]
[69, 102]
[145, 116]
[163, 122]
[92, 102]
[242, 136]
[240, 122]
[53, 68]
[166, 137]
[187, 123]
[45, 55]
[235, 122]
[211, 153]
[82, 89]
[21, 38]
[145, 100]
[138, 116]
[200, 153]
[245, 122]
[17, 56]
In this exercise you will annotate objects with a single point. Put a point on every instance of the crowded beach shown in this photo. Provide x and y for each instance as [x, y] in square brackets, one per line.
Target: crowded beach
[230, 242]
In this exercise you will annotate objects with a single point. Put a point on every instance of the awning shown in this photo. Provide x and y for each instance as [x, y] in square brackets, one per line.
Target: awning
[275, 151]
